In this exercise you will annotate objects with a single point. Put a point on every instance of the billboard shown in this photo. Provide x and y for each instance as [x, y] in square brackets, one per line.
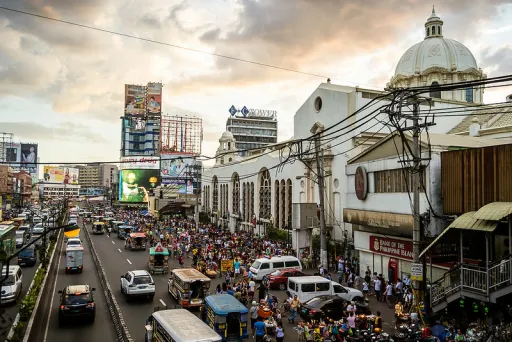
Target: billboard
[181, 186]
[175, 165]
[154, 98]
[140, 162]
[136, 184]
[134, 99]
[138, 124]
[29, 157]
[61, 175]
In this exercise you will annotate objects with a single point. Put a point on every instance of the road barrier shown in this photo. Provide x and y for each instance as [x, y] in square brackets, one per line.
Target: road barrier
[123, 335]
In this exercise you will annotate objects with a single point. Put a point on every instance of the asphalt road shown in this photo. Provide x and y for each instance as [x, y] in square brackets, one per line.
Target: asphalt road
[11, 310]
[117, 260]
[102, 329]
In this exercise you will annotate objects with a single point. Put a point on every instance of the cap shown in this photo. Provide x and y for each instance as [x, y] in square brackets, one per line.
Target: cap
[254, 302]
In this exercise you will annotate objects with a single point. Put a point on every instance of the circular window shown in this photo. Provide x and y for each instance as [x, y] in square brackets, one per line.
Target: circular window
[318, 103]
[302, 184]
[336, 183]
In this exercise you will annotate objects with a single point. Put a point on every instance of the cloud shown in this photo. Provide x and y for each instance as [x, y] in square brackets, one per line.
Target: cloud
[497, 62]
[66, 131]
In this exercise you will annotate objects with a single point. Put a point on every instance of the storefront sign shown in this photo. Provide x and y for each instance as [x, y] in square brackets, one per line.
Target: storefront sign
[392, 247]
[361, 186]
[417, 272]
[377, 219]
[140, 163]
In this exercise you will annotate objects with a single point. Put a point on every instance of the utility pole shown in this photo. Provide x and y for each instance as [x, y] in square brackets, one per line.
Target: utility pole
[317, 128]
[416, 230]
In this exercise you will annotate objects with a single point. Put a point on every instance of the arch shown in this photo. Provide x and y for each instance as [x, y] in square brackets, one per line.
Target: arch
[244, 202]
[251, 200]
[264, 193]
[289, 197]
[435, 91]
[215, 202]
[235, 186]
[276, 203]
[282, 207]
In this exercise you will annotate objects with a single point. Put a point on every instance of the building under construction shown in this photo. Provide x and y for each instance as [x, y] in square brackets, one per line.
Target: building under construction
[180, 135]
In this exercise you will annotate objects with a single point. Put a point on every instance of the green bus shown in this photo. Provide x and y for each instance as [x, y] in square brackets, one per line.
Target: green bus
[7, 239]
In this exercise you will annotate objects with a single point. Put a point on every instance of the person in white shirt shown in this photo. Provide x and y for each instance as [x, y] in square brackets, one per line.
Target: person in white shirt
[389, 292]
[377, 284]
[366, 288]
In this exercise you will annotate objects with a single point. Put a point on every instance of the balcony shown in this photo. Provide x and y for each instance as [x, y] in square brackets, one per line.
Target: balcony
[485, 284]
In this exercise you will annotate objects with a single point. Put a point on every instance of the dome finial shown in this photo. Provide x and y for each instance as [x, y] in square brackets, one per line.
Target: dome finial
[433, 10]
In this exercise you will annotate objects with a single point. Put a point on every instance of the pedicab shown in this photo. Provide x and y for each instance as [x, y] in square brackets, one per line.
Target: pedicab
[158, 260]
[135, 241]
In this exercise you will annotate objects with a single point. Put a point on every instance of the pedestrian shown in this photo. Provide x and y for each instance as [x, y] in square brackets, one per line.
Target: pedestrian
[253, 312]
[377, 285]
[365, 289]
[294, 305]
[279, 332]
[259, 330]
[389, 293]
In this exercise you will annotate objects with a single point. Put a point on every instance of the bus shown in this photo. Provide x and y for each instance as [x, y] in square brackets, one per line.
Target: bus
[178, 325]
[7, 238]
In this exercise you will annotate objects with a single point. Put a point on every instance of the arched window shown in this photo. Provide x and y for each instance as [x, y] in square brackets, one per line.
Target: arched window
[282, 208]
[289, 203]
[230, 160]
[428, 31]
[251, 200]
[226, 199]
[236, 194]
[439, 30]
[433, 30]
[244, 202]
[469, 94]
[435, 91]
[265, 193]
[215, 206]
[276, 203]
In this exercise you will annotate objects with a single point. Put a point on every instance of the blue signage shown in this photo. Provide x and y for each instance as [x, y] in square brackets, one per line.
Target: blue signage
[232, 110]
[244, 111]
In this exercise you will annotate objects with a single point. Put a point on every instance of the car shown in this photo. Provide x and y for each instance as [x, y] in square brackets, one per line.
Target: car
[77, 302]
[28, 257]
[12, 286]
[38, 229]
[21, 238]
[138, 283]
[330, 306]
[279, 279]
[74, 242]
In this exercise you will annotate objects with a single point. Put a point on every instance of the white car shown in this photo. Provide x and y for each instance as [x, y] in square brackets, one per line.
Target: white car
[12, 286]
[74, 242]
[347, 293]
[138, 283]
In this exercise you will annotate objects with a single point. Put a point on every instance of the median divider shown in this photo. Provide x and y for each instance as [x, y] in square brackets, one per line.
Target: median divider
[123, 335]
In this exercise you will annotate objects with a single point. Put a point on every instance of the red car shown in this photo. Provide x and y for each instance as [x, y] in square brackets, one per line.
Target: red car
[279, 279]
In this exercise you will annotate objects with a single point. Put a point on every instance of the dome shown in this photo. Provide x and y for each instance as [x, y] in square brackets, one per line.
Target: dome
[436, 53]
[227, 135]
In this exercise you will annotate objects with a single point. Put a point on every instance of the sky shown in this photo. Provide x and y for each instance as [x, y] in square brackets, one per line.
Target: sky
[62, 86]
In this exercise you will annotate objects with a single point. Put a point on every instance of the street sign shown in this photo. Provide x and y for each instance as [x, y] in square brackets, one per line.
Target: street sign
[232, 110]
[417, 272]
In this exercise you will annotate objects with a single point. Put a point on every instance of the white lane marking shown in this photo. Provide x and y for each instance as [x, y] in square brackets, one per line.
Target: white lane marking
[119, 250]
[129, 261]
[53, 296]
[113, 242]
[163, 303]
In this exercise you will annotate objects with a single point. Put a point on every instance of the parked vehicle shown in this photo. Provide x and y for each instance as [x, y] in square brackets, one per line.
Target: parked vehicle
[27, 257]
[137, 283]
[265, 266]
[12, 286]
[279, 279]
[77, 302]
[74, 258]
[331, 306]
[309, 287]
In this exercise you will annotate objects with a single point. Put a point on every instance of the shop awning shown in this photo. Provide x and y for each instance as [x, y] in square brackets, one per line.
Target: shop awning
[494, 211]
[466, 221]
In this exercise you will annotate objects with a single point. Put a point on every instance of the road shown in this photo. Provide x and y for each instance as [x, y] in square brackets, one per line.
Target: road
[11, 310]
[102, 329]
[116, 260]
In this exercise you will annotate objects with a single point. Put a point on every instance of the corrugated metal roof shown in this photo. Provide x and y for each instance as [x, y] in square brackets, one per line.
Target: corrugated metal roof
[466, 221]
[494, 211]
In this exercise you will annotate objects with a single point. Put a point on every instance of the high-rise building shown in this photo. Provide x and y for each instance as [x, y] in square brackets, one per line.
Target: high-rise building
[252, 128]
[97, 175]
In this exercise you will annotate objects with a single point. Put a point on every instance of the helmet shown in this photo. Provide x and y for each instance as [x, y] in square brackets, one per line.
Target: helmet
[378, 330]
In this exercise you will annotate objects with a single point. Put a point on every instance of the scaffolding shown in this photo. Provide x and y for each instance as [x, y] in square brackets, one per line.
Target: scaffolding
[6, 140]
[180, 135]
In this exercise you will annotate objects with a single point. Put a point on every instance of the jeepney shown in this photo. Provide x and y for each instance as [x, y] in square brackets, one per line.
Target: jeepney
[158, 259]
[116, 224]
[108, 222]
[188, 286]
[136, 241]
[227, 316]
[97, 218]
[124, 231]
[98, 228]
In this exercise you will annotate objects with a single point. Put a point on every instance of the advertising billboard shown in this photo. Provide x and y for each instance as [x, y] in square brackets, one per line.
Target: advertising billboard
[180, 186]
[61, 175]
[154, 98]
[29, 157]
[175, 165]
[134, 99]
[140, 163]
[136, 184]
[138, 124]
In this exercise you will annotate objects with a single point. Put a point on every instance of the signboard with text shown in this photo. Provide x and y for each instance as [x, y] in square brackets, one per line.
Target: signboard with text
[393, 247]
[417, 271]
[140, 163]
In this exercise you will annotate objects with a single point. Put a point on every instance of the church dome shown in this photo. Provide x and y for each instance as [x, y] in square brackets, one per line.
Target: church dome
[227, 135]
[436, 53]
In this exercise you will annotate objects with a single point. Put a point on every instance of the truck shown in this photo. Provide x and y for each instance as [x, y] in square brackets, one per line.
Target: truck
[74, 259]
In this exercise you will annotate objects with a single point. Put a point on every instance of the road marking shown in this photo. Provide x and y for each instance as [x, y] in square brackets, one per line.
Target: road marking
[163, 303]
[129, 261]
[119, 250]
[53, 296]
[113, 242]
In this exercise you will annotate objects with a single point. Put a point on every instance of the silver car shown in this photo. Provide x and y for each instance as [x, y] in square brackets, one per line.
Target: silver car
[138, 283]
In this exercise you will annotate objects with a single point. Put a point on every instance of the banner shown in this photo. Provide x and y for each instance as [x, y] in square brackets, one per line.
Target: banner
[136, 184]
[140, 163]
[61, 175]
[175, 165]
[29, 157]
[180, 186]
[226, 265]
[134, 99]
[154, 98]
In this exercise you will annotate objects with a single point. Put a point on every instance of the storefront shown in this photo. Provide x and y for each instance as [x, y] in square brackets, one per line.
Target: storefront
[389, 256]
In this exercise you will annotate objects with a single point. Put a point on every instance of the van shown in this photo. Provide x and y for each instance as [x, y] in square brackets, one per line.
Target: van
[309, 287]
[74, 259]
[37, 220]
[11, 288]
[265, 266]
[21, 238]
[28, 257]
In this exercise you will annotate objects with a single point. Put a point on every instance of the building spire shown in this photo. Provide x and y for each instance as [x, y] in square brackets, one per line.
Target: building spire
[434, 25]
[433, 11]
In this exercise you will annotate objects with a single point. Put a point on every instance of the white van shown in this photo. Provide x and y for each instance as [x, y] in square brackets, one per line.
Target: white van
[265, 266]
[309, 287]
[11, 288]
[74, 258]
